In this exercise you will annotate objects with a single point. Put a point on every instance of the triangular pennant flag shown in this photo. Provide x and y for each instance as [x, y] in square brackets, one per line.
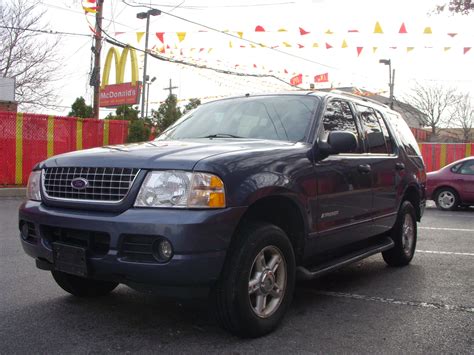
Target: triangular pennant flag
[466, 49]
[353, 31]
[160, 36]
[255, 65]
[240, 34]
[286, 44]
[181, 36]
[359, 50]
[259, 29]
[91, 10]
[403, 29]
[243, 46]
[200, 50]
[303, 32]
[282, 30]
[378, 28]
[119, 33]
[427, 31]
[409, 49]
[167, 46]
[262, 45]
[452, 34]
[162, 50]
[344, 44]
[252, 45]
[374, 49]
[315, 45]
[285, 71]
[392, 47]
[230, 44]
[209, 50]
[329, 32]
[447, 49]
[328, 46]
[139, 36]
[300, 46]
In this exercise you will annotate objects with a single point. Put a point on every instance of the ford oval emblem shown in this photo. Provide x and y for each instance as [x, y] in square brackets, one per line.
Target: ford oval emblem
[79, 183]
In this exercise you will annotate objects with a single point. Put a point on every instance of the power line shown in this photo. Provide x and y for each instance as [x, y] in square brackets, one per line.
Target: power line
[236, 37]
[49, 32]
[198, 7]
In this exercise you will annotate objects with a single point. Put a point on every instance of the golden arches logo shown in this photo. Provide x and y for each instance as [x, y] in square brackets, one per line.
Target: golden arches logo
[120, 61]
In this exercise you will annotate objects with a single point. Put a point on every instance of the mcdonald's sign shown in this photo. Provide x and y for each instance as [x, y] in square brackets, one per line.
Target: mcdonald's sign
[120, 93]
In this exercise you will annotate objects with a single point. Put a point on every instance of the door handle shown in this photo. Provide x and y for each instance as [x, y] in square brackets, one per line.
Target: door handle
[399, 166]
[364, 168]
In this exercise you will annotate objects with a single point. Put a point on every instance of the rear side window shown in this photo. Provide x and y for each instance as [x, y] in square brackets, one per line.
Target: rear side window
[467, 168]
[404, 134]
[373, 128]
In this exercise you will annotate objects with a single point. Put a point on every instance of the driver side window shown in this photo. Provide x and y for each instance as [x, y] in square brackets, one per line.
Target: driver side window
[339, 117]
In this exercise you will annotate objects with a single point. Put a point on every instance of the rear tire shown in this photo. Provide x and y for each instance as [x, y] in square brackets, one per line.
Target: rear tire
[404, 235]
[82, 287]
[257, 283]
[447, 199]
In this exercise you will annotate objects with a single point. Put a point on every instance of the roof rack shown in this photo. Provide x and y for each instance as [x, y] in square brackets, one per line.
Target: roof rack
[360, 97]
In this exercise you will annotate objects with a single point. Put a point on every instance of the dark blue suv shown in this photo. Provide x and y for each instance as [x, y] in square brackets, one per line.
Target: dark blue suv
[236, 200]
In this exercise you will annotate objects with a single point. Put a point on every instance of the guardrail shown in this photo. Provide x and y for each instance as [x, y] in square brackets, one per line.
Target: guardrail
[26, 139]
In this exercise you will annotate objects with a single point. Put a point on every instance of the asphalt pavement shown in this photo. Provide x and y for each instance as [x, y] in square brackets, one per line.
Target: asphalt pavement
[367, 307]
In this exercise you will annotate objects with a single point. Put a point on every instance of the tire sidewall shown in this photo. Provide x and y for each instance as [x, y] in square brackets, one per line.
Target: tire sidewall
[456, 199]
[397, 235]
[260, 237]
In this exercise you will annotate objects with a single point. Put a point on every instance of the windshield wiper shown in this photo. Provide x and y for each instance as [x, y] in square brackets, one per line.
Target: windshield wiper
[221, 135]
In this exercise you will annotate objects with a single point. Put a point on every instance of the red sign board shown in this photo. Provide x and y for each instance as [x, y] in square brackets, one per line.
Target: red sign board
[120, 94]
[321, 78]
[296, 80]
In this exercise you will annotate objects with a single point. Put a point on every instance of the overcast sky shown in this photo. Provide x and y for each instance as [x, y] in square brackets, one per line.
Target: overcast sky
[435, 58]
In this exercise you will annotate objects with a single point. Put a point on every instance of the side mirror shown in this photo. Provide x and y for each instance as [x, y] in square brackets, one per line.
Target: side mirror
[339, 142]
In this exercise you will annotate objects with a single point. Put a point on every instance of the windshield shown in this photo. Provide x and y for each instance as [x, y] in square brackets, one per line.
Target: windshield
[282, 117]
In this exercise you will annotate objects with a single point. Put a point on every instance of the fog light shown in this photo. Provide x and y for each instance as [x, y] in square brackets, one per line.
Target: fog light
[162, 250]
[24, 231]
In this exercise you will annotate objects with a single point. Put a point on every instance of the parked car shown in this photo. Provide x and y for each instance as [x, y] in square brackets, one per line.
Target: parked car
[452, 185]
[235, 201]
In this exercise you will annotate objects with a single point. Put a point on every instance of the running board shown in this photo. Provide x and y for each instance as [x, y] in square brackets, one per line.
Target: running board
[303, 273]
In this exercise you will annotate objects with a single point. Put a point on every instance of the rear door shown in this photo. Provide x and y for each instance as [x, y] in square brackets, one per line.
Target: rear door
[385, 166]
[344, 201]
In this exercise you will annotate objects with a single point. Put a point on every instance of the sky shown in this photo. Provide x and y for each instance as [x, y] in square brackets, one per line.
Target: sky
[310, 26]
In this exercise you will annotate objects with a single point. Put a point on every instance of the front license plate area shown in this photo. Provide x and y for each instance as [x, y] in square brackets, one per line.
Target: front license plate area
[70, 259]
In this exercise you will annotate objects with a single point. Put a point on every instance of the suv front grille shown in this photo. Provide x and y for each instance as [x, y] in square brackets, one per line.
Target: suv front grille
[109, 185]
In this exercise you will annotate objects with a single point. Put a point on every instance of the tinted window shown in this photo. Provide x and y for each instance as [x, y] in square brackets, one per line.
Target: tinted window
[386, 133]
[404, 134]
[338, 117]
[456, 167]
[467, 168]
[267, 117]
[372, 130]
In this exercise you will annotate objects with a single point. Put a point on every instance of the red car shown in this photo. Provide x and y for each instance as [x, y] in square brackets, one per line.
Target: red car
[452, 185]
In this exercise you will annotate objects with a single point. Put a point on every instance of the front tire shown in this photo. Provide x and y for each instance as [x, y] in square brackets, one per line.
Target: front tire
[82, 287]
[447, 199]
[258, 280]
[404, 235]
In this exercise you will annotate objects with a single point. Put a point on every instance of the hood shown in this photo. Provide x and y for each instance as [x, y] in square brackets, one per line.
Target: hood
[180, 155]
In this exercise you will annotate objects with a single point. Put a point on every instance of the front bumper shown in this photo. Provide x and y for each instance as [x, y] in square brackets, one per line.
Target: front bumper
[199, 238]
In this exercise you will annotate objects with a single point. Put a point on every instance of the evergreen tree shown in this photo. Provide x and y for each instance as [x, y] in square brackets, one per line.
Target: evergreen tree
[80, 109]
[167, 113]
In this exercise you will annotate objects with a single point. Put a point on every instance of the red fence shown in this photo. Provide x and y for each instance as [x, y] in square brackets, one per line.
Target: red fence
[437, 155]
[26, 139]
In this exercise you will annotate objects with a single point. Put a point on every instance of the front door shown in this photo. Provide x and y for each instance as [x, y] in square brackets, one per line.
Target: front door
[344, 201]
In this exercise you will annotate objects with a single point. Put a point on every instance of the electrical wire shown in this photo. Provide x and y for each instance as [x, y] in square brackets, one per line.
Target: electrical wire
[198, 7]
[49, 32]
[236, 37]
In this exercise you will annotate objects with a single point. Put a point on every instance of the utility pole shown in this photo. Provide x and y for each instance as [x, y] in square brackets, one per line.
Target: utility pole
[95, 80]
[170, 88]
[146, 15]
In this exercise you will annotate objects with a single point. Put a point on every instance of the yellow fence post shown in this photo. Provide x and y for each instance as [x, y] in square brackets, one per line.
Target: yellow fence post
[78, 133]
[50, 136]
[468, 149]
[442, 158]
[19, 149]
[106, 132]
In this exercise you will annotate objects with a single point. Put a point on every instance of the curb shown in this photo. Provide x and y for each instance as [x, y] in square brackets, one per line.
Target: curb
[13, 192]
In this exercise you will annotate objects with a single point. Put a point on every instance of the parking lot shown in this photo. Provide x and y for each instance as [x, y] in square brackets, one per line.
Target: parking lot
[427, 307]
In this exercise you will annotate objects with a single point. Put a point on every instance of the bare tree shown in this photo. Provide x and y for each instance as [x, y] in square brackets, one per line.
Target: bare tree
[457, 6]
[27, 54]
[464, 116]
[436, 102]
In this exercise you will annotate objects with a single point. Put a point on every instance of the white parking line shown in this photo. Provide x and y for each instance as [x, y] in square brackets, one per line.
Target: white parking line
[444, 252]
[448, 229]
[398, 302]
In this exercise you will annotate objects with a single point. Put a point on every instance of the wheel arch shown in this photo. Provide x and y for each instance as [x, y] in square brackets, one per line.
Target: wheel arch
[412, 194]
[285, 213]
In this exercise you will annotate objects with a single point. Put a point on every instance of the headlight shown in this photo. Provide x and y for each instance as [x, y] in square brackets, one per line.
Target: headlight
[174, 188]
[33, 189]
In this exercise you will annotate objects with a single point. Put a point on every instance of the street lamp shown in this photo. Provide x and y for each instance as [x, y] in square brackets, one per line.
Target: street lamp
[148, 91]
[391, 78]
[141, 16]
